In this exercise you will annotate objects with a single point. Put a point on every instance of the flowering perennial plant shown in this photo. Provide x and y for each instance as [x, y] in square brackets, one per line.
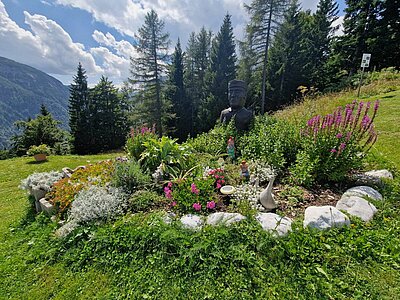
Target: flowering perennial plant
[336, 143]
[192, 195]
[65, 190]
[137, 137]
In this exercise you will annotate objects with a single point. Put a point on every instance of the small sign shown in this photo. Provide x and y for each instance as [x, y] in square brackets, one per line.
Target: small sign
[365, 60]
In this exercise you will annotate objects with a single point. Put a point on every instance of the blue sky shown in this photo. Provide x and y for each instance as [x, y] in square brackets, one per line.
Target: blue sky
[54, 35]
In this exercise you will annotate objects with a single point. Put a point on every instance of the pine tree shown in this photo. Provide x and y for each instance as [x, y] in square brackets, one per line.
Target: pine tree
[78, 111]
[321, 36]
[43, 110]
[196, 65]
[361, 29]
[148, 68]
[177, 96]
[222, 69]
[108, 117]
[288, 57]
[265, 15]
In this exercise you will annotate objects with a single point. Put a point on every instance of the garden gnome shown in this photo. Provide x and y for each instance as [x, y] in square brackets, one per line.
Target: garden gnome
[231, 148]
[237, 98]
[244, 170]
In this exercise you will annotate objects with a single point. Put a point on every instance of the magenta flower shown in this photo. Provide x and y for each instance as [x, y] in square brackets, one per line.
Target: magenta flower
[365, 121]
[342, 146]
[339, 135]
[348, 136]
[194, 189]
[173, 203]
[376, 106]
[169, 184]
[333, 150]
[211, 205]
[168, 192]
[218, 185]
[197, 206]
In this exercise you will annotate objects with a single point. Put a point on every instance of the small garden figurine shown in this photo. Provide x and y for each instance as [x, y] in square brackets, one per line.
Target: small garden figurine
[231, 148]
[244, 170]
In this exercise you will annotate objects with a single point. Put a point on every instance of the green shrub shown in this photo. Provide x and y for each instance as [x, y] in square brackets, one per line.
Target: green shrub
[195, 194]
[213, 142]
[271, 140]
[167, 153]
[335, 144]
[41, 149]
[137, 137]
[143, 200]
[129, 176]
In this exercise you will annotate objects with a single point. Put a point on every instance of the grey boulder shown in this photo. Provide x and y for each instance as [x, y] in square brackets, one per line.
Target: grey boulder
[357, 206]
[192, 222]
[274, 223]
[324, 217]
[364, 191]
[223, 218]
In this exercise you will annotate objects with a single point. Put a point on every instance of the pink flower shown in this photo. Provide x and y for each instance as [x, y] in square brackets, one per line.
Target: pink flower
[173, 203]
[194, 189]
[218, 185]
[168, 194]
[339, 135]
[348, 136]
[169, 184]
[211, 205]
[333, 150]
[342, 146]
[197, 206]
[376, 106]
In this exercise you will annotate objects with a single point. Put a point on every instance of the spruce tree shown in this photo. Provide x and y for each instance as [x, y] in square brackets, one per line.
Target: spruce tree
[43, 110]
[148, 69]
[78, 111]
[288, 57]
[222, 69]
[265, 16]
[177, 96]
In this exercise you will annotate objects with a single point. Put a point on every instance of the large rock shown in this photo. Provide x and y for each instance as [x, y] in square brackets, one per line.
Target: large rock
[192, 222]
[223, 218]
[373, 177]
[324, 217]
[274, 223]
[363, 191]
[357, 206]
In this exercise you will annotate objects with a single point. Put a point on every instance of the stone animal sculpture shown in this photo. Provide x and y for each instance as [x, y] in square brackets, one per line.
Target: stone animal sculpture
[266, 197]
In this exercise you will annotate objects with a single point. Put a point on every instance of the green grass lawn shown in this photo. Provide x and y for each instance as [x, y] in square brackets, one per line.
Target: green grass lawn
[138, 257]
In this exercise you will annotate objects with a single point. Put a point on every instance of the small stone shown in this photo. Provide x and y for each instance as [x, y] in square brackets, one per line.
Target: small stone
[192, 222]
[357, 206]
[38, 194]
[169, 217]
[363, 191]
[324, 217]
[373, 177]
[223, 218]
[274, 223]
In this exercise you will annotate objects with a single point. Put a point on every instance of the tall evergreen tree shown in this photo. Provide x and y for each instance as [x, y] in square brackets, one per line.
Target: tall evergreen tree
[108, 117]
[176, 94]
[288, 57]
[78, 111]
[361, 29]
[265, 15]
[389, 35]
[43, 110]
[222, 69]
[148, 69]
[321, 36]
[196, 65]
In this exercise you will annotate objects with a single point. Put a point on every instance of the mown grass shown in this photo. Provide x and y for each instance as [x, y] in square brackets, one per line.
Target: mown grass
[140, 257]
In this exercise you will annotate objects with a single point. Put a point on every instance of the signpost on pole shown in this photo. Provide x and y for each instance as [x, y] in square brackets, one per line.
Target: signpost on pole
[364, 64]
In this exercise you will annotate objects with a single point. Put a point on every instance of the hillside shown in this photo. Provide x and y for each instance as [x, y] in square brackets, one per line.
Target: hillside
[22, 90]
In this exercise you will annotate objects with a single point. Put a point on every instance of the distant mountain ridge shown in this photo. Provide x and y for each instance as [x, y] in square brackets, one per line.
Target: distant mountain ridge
[22, 90]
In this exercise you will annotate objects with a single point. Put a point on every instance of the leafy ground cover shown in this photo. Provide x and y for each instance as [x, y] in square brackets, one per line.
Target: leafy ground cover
[139, 256]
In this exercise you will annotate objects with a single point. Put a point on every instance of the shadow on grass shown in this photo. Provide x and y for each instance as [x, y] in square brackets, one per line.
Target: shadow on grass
[387, 96]
[30, 213]
[36, 162]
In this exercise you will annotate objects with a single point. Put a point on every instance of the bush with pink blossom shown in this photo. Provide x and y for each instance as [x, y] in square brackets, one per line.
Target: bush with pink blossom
[335, 144]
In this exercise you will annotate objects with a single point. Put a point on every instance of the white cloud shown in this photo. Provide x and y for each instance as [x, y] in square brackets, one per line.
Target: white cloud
[48, 47]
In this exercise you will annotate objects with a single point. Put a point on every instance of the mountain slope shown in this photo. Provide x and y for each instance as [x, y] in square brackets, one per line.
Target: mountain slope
[22, 90]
